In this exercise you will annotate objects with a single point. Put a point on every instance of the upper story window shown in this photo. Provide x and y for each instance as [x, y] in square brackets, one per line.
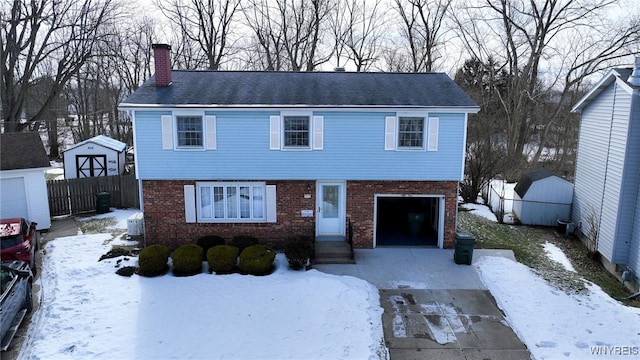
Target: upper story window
[189, 131]
[296, 131]
[410, 132]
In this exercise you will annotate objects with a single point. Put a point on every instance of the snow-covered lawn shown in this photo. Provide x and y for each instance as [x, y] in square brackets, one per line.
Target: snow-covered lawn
[90, 312]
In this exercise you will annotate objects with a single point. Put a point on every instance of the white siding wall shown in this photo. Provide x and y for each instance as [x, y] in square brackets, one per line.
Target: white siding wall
[115, 160]
[599, 166]
[35, 188]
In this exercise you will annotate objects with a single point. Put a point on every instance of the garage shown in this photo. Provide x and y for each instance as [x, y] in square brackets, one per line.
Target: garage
[409, 220]
[13, 198]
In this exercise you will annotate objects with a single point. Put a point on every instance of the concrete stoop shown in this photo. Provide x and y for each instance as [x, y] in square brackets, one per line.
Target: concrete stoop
[332, 252]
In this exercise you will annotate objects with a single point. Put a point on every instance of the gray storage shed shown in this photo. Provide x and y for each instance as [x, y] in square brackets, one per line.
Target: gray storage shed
[542, 198]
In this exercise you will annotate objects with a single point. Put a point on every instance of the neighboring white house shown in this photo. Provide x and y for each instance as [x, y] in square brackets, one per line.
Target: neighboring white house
[23, 186]
[98, 156]
[607, 196]
[542, 198]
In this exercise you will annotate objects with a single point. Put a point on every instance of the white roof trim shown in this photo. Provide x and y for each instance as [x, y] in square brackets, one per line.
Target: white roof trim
[103, 141]
[607, 80]
[378, 108]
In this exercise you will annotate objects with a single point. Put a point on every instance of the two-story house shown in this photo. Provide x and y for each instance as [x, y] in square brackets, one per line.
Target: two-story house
[276, 154]
[606, 203]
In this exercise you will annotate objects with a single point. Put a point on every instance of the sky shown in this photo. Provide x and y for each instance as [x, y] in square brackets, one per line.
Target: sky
[90, 312]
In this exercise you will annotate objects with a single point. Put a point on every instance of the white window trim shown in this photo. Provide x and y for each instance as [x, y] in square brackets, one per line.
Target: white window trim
[267, 208]
[308, 115]
[277, 133]
[170, 131]
[424, 133]
[429, 139]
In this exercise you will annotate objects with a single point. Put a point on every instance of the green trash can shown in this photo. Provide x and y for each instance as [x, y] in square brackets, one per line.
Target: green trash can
[464, 245]
[103, 202]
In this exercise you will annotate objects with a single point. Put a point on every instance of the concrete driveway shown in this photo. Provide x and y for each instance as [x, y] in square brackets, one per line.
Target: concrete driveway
[433, 307]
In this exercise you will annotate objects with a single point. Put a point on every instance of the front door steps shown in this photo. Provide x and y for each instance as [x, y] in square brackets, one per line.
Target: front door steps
[333, 252]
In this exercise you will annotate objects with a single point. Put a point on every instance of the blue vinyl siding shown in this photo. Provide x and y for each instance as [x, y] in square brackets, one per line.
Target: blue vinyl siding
[353, 150]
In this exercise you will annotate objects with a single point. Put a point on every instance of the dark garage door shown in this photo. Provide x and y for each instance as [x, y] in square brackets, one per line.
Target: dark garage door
[407, 221]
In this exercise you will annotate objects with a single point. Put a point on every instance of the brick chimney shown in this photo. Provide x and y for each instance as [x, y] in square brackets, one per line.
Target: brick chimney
[162, 59]
[634, 79]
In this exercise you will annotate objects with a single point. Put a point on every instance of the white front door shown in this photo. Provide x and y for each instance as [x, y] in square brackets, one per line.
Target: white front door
[331, 198]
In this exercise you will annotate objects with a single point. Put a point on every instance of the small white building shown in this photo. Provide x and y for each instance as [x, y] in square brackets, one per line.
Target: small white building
[98, 156]
[23, 186]
[542, 198]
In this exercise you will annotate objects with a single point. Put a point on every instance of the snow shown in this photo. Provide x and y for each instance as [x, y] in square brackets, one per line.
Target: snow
[90, 312]
[557, 325]
[555, 253]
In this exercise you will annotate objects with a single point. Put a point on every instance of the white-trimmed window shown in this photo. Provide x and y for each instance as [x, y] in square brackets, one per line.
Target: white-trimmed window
[296, 131]
[189, 130]
[411, 132]
[231, 201]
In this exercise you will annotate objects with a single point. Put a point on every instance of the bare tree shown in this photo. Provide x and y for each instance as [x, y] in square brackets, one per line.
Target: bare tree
[268, 49]
[484, 151]
[45, 38]
[358, 28]
[209, 23]
[290, 32]
[544, 46]
[422, 29]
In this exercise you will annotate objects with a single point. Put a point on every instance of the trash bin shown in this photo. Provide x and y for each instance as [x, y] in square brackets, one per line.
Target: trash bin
[415, 223]
[464, 244]
[103, 202]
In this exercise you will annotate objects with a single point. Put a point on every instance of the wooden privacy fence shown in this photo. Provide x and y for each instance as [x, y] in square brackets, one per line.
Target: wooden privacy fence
[73, 196]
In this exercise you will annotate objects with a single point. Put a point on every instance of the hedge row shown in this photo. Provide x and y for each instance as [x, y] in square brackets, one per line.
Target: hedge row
[243, 254]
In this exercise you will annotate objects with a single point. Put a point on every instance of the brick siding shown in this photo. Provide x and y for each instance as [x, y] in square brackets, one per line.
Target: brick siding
[165, 223]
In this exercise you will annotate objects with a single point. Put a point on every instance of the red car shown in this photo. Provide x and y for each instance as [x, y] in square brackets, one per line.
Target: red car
[19, 241]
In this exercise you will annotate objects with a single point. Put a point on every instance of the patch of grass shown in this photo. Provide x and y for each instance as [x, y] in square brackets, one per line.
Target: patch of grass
[527, 244]
[98, 226]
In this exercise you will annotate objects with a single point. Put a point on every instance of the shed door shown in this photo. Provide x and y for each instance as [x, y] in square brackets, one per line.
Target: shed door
[91, 165]
[13, 198]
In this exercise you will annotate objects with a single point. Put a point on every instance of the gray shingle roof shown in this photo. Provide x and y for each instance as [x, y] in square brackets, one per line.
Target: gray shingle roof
[529, 178]
[248, 88]
[22, 151]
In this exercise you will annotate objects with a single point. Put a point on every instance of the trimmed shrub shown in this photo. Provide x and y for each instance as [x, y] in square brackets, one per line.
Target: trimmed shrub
[257, 260]
[298, 250]
[153, 260]
[244, 241]
[222, 259]
[187, 260]
[207, 242]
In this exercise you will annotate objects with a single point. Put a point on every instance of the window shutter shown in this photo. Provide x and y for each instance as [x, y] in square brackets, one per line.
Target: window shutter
[190, 203]
[390, 133]
[274, 132]
[432, 144]
[210, 123]
[271, 203]
[318, 130]
[167, 132]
